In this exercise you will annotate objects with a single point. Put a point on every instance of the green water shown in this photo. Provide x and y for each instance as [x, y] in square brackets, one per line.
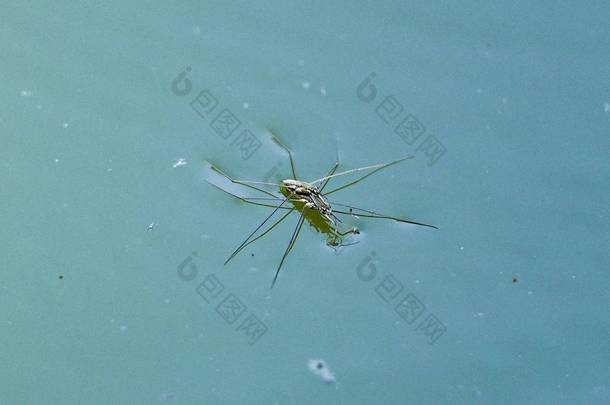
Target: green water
[113, 289]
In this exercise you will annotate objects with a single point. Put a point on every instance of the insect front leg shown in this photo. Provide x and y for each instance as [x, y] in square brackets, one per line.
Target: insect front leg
[354, 231]
[275, 139]
[336, 238]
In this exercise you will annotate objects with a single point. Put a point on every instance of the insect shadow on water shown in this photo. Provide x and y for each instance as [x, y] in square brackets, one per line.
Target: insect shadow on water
[310, 201]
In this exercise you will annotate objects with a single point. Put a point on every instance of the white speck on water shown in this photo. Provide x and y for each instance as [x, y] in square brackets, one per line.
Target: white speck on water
[151, 226]
[416, 281]
[246, 106]
[56, 161]
[305, 85]
[109, 169]
[26, 93]
[319, 368]
[530, 292]
[180, 162]
[607, 107]
[323, 91]
[573, 277]
[123, 328]
[65, 125]
[461, 247]
[473, 390]
[166, 396]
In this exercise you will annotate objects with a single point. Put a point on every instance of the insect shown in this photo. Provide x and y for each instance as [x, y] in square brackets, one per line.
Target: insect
[311, 202]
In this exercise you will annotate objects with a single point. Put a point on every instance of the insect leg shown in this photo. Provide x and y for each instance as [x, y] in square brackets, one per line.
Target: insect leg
[354, 230]
[249, 200]
[281, 145]
[293, 239]
[241, 182]
[373, 214]
[256, 230]
[377, 168]
[330, 173]
[334, 168]
[262, 234]
[336, 238]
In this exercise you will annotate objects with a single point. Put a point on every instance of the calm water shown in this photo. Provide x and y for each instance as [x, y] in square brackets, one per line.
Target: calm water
[113, 288]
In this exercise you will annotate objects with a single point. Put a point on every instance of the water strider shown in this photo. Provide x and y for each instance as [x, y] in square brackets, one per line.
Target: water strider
[312, 204]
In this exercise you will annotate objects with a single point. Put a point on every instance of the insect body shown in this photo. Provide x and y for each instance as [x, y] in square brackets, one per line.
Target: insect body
[315, 209]
[312, 204]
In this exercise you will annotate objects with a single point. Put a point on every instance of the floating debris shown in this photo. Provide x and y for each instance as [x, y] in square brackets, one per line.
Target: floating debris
[319, 368]
[166, 396]
[180, 162]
